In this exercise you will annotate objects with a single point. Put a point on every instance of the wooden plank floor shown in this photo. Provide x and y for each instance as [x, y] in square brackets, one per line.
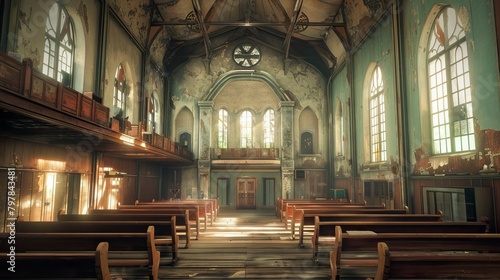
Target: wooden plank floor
[243, 244]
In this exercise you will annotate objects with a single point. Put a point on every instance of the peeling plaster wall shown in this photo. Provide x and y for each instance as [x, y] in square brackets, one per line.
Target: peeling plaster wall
[190, 82]
[479, 26]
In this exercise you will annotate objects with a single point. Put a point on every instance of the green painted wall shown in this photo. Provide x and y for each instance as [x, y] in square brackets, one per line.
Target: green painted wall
[377, 49]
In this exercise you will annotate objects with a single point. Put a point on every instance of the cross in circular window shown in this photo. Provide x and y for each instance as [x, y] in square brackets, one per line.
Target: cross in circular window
[246, 55]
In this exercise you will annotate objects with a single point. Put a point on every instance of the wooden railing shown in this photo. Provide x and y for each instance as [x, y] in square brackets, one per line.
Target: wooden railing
[22, 79]
[245, 153]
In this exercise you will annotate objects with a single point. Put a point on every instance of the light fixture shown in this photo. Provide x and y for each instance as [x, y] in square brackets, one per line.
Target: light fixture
[113, 174]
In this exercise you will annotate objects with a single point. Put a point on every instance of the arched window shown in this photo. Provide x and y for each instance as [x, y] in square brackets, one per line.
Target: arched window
[222, 127]
[119, 103]
[153, 109]
[339, 130]
[450, 95]
[59, 47]
[246, 129]
[378, 138]
[269, 129]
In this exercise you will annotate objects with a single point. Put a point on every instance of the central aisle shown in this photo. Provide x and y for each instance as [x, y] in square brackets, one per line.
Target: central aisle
[246, 244]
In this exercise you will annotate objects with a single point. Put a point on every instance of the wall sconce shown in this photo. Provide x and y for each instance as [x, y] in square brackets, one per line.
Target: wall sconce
[113, 174]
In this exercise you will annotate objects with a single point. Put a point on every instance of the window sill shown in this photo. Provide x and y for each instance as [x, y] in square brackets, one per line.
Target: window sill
[375, 166]
[309, 155]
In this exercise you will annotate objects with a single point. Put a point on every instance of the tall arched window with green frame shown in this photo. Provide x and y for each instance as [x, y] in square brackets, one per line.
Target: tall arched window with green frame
[222, 127]
[378, 137]
[246, 126]
[450, 93]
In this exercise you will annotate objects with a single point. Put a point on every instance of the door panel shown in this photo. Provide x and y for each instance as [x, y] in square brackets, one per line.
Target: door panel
[245, 193]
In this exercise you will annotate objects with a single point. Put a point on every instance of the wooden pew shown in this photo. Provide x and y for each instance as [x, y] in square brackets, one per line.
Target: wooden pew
[181, 219]
[280, 203]
[286, 205]
[194, 212]
[307, 217]
[206, 211]
[324, 232]
[292, 211]
[74, 265]
[435, 265]
[49, 254]
[354, 251]
[164, 235]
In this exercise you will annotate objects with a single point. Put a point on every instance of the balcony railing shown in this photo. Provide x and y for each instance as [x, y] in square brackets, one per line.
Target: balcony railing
[245, 153]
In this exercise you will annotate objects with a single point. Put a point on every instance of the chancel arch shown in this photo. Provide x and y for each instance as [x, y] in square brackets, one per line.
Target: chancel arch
[253, 96]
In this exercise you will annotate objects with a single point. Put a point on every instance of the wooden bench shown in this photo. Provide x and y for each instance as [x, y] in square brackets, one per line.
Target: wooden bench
[307, 217]
[354, 251]
[194, 212]
[435, 265]
[165, 236]
[53, 255]
[280, 203]
[286, 211]
[181, 219]
[206, 211]
[324, 232]
[292, 212]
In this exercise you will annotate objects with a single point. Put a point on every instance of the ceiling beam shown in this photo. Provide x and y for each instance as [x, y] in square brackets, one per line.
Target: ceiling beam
[291, 27]
[203, 28]
[249, 24]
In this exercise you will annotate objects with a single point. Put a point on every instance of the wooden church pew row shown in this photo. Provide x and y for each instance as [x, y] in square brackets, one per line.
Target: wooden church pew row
[353, 251]
[292, 213]
[212, 208]
[193, 211]
[324, 232]
[307, 217]
[181, 219]
[207, 214]
[201, 211]
[73, 255]
[371, 217]
[280, 203]
[287, 208]
[435, 265]
[165, 236]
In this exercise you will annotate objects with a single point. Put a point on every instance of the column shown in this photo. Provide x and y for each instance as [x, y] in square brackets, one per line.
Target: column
[287, 150]
[204, 144]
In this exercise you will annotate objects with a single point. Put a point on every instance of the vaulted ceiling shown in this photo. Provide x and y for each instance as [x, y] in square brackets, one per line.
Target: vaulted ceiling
[296, 28]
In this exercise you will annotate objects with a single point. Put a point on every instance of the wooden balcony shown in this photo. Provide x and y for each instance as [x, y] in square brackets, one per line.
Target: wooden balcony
[245, 153]
[32, 103]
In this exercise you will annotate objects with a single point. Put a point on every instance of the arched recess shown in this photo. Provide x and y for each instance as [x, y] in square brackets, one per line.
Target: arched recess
[184, 123]
[308, 131]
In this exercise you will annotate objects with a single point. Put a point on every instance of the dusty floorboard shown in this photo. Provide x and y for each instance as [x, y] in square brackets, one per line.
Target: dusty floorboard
[243, 244]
